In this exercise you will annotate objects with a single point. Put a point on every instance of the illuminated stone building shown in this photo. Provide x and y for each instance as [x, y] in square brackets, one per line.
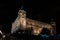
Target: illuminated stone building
[24, 23]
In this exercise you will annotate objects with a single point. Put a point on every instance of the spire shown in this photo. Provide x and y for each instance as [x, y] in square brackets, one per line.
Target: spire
[21, 11]
[22, 7]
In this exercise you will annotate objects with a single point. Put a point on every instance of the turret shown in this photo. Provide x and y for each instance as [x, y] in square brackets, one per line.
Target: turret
[22, 12]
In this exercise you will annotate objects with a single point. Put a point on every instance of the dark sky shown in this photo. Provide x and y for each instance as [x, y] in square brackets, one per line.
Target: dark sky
[35, 9]
[42, 10]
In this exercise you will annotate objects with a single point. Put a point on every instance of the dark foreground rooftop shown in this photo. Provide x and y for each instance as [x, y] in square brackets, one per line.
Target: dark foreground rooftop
[28, 36]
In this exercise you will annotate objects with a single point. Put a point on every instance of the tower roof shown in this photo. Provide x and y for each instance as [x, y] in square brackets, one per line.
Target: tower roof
[22, 7]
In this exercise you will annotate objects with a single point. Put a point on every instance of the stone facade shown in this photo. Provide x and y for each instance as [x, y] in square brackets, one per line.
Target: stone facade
[24, 23]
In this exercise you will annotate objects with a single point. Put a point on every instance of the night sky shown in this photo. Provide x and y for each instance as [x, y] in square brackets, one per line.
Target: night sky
[41, 10]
